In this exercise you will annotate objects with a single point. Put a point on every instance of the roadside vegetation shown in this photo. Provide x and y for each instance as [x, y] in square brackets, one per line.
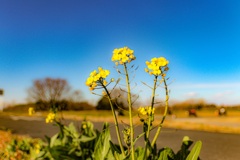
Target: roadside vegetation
[84, 109]
[17, 147]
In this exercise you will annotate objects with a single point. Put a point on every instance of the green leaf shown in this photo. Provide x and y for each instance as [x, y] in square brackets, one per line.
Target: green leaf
[166, 154]
[114, 148]
[58, 152]
[54, 140]
[86, 138]
[116, 152]
[102, 147]
[48, 139]
[61, 129]
[184, 151]
[195, 151]
[72, 127]
[186, 142]
[71, 131]
[139, 153]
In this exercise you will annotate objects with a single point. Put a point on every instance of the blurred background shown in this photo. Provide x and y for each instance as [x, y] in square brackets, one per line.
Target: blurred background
[66, 40]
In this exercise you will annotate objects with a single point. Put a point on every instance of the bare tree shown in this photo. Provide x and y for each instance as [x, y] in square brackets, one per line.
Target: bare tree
[48, 92]
[75, 96]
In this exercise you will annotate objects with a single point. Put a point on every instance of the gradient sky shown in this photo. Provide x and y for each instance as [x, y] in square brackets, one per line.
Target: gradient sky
[68, 39]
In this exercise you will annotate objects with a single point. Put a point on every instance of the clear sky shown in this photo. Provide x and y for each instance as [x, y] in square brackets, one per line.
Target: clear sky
[68, 39]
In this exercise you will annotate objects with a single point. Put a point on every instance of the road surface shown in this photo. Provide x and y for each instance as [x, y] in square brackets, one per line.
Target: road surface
[216, 146]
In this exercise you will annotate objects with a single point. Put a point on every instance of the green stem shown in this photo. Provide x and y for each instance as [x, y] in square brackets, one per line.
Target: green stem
[130, 112]
[150, 116]
[165, 113]
[115, 120]
[152, 105]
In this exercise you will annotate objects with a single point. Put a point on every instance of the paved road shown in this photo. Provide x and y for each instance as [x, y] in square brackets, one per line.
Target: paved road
[216, 146]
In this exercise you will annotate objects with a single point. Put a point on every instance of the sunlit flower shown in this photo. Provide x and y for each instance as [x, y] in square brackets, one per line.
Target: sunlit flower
[104, 93]
[142, 111]
[154, 67]
[50, 117]
[84, 126]
[37, 148]
[93, 73]
[146, 110]
[123, 55]
[97, 78]
[30, 111]
[105, 82]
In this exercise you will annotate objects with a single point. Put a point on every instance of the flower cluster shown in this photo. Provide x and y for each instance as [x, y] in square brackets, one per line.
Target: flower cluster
[126, 136]
[146, 110]
[123, 55]
[50, 117]
[30, 111]
[97, 78]
[154, 67]
[37, 148]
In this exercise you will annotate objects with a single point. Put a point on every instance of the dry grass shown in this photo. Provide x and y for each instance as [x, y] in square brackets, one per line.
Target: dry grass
[6, 137]
[210, 124]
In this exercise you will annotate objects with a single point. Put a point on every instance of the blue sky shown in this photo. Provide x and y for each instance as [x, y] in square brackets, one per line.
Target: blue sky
[69, 39]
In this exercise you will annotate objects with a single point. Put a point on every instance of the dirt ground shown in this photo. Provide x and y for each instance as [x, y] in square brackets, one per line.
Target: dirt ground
[211, 124]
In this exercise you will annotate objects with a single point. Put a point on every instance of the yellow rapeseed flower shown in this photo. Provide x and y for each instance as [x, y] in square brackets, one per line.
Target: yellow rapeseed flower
[105, 82]
[93, 73]
[104, 93]
[50, 117]
[84, 126]
[142, 111]
[89, 81]
[162, 62]
[146, 110]
[154, 67]
[97, 78]
[104, 73]
[123, 55]
[30, 111]
[37, 148]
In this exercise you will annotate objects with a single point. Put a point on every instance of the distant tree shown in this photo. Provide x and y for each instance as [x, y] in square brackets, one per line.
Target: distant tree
[119, 101]
[103, 104]
[190, 104]
[81, 106]
[49, 93]
[75, 96]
